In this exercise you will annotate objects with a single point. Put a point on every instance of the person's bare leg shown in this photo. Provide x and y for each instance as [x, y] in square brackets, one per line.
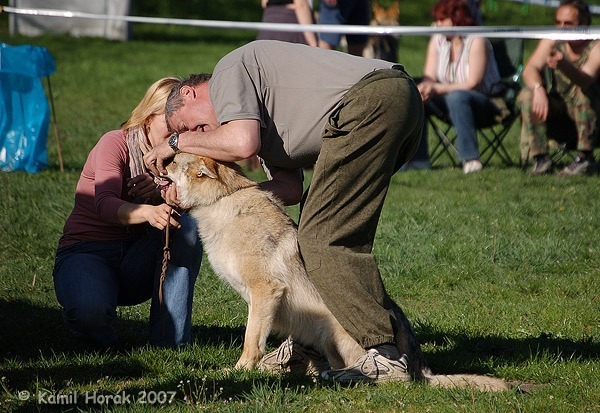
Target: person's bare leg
[324, 45]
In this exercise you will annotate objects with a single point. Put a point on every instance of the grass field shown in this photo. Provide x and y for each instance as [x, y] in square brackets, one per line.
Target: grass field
[498, 271]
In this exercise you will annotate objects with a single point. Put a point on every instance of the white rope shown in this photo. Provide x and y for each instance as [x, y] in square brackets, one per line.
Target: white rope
[553, 3]
[538, 32]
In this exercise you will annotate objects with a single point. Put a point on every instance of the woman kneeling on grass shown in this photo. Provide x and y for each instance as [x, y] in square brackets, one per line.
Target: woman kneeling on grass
[111, 250]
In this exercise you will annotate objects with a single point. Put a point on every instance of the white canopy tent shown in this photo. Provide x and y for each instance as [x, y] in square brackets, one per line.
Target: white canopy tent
[37, 25]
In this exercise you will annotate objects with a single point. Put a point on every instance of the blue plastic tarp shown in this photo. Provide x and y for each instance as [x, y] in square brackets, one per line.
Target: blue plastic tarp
[24, 109]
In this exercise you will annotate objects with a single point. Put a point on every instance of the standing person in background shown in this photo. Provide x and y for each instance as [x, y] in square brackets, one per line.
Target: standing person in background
[288, 11]
[284, 11]
[352, 12]
[111, 250]
[575, 99]
[459, 75]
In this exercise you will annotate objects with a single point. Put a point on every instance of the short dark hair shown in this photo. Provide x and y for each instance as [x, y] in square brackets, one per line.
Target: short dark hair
[175, 101]
[584, 15]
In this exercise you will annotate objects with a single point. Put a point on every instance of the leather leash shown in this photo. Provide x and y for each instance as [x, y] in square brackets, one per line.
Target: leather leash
[163, 274]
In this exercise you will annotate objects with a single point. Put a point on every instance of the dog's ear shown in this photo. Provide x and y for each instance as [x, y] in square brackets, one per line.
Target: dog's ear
[206, 170]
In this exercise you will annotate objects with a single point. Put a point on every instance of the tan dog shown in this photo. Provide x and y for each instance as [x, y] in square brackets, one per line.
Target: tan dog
[251, 244]
[384, 46]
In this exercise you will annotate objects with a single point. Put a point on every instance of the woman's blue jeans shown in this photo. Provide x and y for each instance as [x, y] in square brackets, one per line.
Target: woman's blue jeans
[468, 110]
[92, 278]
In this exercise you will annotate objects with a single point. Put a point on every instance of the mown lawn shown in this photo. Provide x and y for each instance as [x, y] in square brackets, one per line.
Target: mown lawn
[498, 270]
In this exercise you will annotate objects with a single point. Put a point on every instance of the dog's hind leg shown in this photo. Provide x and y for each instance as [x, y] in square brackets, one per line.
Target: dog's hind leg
[340, 349]
[265, 300]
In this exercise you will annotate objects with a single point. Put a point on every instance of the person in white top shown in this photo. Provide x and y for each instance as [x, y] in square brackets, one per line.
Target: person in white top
[459, 75]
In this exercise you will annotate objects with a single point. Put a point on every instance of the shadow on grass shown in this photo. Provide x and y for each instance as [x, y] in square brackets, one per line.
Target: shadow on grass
[471, 354]
[30, 333]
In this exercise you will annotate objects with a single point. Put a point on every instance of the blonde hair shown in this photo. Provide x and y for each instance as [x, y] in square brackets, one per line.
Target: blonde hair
[153, 103]
[136, 128]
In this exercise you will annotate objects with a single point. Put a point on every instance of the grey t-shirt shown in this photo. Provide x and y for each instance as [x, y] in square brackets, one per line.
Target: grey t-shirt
[291, 89]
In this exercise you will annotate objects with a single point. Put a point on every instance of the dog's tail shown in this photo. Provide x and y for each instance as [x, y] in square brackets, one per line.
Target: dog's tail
[472, 381]
[406, 341]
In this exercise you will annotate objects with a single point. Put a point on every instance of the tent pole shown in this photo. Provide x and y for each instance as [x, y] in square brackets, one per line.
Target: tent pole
[60, 157]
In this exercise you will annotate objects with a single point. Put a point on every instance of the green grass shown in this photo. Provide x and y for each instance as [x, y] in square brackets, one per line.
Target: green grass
[498, 271]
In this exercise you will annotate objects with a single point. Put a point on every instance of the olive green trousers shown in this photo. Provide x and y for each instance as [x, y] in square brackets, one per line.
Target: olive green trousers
[374, 130]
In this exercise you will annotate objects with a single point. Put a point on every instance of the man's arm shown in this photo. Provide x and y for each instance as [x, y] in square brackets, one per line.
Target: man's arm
[304, 16]
[532, 77]
[285, 185]
[230, 142]
[586, 75]
[532, 72]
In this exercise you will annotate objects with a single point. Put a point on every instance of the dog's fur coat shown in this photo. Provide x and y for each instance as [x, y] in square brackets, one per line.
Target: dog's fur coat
[251, 243]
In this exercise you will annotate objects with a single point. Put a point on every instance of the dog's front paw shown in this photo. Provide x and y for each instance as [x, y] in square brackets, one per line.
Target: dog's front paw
[244, 364]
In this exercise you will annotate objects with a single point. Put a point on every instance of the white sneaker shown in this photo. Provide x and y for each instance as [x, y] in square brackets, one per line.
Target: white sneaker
[474, 165]
[291, 356]
[372, 367]
[580, 166]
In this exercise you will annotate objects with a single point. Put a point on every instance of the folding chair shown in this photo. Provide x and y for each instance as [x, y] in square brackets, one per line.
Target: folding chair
[491, 136]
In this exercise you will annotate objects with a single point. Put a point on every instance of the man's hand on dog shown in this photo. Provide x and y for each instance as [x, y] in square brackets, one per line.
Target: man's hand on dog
[155, 158]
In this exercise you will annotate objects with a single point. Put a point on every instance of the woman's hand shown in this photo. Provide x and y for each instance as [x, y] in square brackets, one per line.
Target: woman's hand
[162, 215]
[142, 186]
[170, 195]
[427, 89]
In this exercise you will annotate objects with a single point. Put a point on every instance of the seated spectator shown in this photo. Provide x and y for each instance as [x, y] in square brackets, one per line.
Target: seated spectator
[288, 11]
[573, 102]
[459, 75]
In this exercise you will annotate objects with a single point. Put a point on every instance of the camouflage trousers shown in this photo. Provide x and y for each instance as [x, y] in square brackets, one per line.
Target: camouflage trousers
[573, 118]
